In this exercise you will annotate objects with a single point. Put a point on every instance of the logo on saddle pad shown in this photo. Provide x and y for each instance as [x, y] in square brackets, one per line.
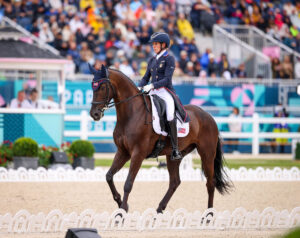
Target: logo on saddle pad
[181, 130]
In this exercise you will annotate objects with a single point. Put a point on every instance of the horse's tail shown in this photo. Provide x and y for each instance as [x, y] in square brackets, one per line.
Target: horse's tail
[223, 183]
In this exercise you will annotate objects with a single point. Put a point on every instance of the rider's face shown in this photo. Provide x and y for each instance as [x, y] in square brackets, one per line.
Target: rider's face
[156, 47]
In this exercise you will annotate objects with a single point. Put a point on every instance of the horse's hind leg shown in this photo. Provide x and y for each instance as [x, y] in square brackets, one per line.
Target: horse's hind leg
[173, 168]
[207, 159]
[119, 161]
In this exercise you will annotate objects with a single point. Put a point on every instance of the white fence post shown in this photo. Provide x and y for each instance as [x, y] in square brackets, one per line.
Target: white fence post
[84, 125]
[255, 131]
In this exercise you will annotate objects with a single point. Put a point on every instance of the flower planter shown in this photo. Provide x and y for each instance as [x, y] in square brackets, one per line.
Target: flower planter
[26, 162]
[84, 162]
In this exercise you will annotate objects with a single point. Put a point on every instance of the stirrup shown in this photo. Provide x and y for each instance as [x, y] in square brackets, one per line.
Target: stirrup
[176, 155]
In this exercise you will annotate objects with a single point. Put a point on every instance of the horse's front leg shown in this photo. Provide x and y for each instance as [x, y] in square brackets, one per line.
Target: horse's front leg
[173, 169]
[135, 165]
[119, 161]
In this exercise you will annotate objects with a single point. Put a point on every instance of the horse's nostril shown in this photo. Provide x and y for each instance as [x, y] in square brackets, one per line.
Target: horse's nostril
[96, 114]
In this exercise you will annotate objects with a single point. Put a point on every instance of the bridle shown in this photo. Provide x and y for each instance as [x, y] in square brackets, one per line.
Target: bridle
[104, 79]
[107, 102]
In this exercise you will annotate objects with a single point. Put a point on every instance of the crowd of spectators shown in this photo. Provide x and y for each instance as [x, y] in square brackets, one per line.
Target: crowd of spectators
[116, 32]
[284, 69]
[280, 19]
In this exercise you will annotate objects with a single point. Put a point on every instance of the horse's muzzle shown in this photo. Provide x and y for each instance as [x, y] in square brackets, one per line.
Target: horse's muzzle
[96, 115]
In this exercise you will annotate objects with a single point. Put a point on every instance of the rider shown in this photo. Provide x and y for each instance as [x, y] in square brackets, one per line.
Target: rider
[160, 69]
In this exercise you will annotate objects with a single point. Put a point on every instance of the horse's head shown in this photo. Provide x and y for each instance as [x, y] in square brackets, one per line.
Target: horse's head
[102, 92]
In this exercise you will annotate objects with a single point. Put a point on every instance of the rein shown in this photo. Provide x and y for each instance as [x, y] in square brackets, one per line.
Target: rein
[108, 104]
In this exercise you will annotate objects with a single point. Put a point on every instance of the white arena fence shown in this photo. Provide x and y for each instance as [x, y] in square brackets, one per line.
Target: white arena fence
[255, 135]
[240, 219]
[148, 175]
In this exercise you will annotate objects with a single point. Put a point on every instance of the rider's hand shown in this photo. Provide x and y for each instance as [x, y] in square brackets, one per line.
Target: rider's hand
[148, 87]
[140, 88]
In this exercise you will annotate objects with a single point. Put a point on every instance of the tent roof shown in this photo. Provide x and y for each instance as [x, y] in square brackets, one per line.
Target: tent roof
[23, 51]
[20, 49]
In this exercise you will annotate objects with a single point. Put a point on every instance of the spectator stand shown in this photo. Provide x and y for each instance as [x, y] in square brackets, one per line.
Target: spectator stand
[239, 52]
[268, 45]
[24, 60]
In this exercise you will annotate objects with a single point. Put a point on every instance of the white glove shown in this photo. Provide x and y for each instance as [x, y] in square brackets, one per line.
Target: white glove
[148, 87]
[140, 88]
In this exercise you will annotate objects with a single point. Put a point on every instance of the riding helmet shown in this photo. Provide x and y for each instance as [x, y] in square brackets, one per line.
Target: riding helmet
[161, 37]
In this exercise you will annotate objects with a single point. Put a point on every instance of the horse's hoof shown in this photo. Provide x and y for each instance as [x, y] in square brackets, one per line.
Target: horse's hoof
[159, 211]
[125, 208]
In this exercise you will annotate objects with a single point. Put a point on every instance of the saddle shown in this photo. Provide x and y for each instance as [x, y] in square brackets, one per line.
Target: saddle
[159, 120]
[159, 123]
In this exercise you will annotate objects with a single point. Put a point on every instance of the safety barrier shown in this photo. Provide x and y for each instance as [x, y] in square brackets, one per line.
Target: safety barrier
[152, 174]
[240, 219]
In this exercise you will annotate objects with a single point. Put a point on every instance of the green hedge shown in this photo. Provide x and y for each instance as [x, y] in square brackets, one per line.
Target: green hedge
[82, 148]
[26, 147]
[297, 156]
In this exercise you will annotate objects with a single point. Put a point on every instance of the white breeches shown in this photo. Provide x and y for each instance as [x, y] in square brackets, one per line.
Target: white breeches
[165, 95]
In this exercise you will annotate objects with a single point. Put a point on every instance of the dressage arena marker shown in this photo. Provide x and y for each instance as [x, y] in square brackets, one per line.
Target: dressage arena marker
[240, 219]
[152, 174]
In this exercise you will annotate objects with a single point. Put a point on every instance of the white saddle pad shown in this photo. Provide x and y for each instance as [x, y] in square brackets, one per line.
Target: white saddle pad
[182, 128]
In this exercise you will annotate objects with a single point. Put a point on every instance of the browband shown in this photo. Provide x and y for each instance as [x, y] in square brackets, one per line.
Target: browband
[97, 83]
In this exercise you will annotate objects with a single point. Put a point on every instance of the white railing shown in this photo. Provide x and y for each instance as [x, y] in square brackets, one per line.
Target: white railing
[255, 120]
[255, 134]
[84, 132]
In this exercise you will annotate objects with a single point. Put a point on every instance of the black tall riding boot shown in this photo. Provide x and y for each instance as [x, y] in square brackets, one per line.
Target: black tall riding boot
[176, 155]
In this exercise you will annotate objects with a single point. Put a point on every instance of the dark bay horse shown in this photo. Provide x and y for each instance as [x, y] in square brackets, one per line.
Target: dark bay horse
[136, 139]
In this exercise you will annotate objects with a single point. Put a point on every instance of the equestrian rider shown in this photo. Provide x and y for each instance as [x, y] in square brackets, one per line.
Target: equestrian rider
[160, 69]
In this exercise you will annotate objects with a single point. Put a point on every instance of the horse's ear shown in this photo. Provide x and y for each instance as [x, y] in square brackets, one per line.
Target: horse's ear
[92, 70]
[104, 71]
